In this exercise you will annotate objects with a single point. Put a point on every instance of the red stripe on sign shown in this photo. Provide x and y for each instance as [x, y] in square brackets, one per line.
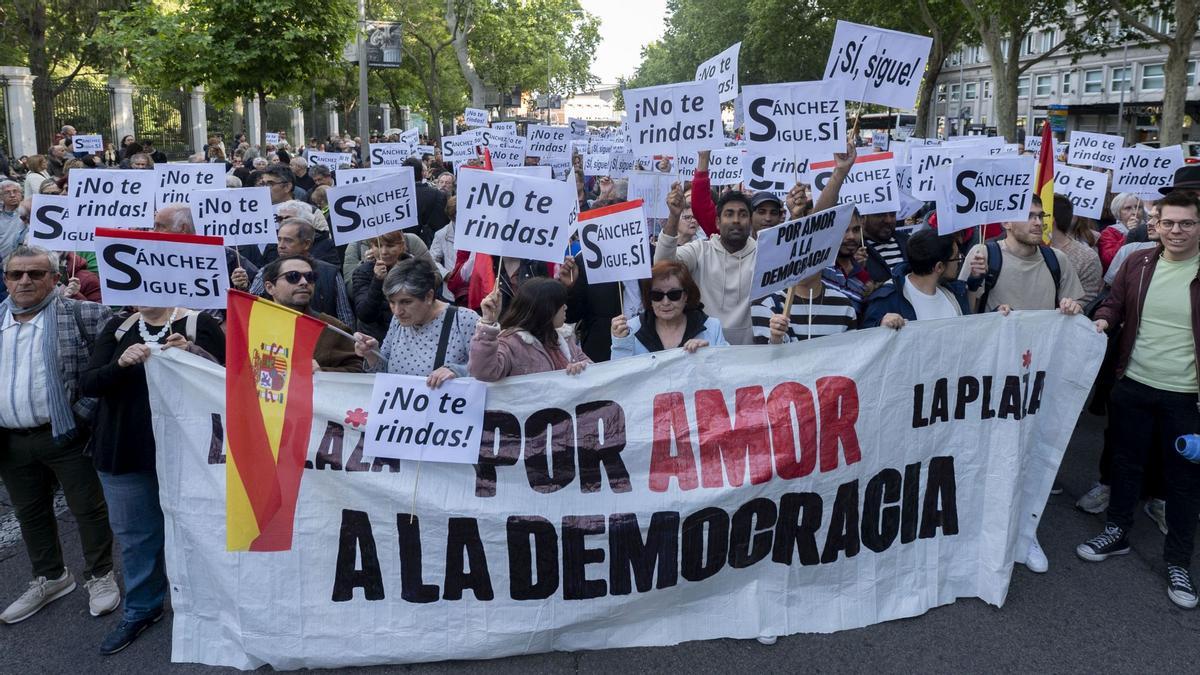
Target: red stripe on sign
[609, 210]
[116, 233]
[879, 156]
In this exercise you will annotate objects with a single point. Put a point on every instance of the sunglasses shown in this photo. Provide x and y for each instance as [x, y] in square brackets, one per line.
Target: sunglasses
[15, 275]
[294, 277]
[674, 295]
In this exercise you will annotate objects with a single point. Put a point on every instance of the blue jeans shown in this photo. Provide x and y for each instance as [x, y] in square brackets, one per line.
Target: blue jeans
[137, 522]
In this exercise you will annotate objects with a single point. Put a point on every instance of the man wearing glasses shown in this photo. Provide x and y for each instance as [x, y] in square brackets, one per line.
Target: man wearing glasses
[1154, 300]
[290, 281]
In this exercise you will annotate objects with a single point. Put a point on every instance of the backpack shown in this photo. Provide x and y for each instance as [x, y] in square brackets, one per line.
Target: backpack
[189, 328]
[995, 259]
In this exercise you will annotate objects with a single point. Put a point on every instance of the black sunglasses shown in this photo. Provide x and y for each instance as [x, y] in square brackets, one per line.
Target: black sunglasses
[15, 275]
[294, 277]
[674, 295]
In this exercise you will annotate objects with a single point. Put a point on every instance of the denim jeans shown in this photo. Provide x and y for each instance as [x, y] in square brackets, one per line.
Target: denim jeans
[1147, 421]
[137, 522]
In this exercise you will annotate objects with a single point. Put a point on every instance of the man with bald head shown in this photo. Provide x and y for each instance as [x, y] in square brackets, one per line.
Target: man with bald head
[177, 219]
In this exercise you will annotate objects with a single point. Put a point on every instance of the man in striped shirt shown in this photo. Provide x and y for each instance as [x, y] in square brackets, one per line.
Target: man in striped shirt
[816, 311]
[885, 246]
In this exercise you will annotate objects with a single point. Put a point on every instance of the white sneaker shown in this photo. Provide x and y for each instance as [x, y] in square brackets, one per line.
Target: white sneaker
[41, 592]
[1036, 560]
[1096, 499]
[767, 640]
[103, 594]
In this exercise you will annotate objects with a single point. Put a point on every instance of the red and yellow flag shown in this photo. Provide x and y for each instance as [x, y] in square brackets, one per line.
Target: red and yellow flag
[1045, 181]
[268, 416]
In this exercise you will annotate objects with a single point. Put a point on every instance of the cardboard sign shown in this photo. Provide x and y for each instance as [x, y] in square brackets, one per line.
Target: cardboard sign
[237, 215]
[925, 159]
[1143, 171]
[795, 250]
[615, 243]
[877, 65]
[391, 154]
[870, 186]
[1086, 189]
[800, 119]
[538, 171]
[725, 166]
[461, 148]
[51, 227]
[1088, 149]
[159, 269]
[423, 150]
[652, 188]
[622, 165]
[89, 143]
[330, 160]
[475, 117]
[177, 181]
[408, 420]
[723, 69]
[514, 216]
[272, 138]
[674, 119]
[596, 164]
[774, 174]
[113, 197]
[684, 167]
[352, 176]
[606, 146]
[506, 149]
[547, 143]
[980, 190]
[374, 207]
[509, 128]
[578, 128]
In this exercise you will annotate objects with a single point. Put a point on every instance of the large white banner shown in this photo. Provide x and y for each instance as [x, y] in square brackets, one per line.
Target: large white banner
[735, 492]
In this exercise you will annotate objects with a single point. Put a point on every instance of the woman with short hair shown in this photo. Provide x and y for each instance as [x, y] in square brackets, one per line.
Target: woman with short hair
[673, 316]
[530, 336]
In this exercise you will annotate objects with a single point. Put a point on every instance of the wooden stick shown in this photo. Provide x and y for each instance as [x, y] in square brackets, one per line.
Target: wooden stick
[350, 337]
[621, 297]
[787, 304]
[412, 511]
[810, 297]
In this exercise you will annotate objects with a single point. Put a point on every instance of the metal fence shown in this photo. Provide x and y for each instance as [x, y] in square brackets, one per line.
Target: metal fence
[85, 106]
[221, 122]
[277, 116]
[161, 116]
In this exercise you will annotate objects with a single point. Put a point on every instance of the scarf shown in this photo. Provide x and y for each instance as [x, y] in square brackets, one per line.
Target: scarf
[62, 419]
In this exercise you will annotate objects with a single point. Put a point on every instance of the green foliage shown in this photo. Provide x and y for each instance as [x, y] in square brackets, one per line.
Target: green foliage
[513, 42]
[52, 37]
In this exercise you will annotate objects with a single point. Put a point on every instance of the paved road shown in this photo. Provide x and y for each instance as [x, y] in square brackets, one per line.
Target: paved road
[1080, 617]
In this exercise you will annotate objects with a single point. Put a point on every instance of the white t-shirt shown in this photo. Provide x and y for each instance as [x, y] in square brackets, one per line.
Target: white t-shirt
[937, 306]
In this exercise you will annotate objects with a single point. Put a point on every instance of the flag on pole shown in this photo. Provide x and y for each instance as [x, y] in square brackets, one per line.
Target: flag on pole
[268, 417]
[1045, 181]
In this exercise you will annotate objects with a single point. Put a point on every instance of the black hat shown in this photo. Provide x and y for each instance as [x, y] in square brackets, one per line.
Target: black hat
[1187, 177]
[762, 197]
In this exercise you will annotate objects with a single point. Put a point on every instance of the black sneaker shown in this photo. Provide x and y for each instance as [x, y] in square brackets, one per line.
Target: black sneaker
[1056, 488]
[1109, 542]
[1179, 587]
[123, 635]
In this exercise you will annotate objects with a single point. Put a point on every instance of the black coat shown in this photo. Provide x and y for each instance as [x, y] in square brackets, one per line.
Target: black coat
[591, 307]
[370, 305]
[431, 211]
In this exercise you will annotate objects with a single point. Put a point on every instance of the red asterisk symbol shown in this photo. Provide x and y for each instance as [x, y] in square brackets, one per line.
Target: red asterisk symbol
[1026, 358]
[356, 417]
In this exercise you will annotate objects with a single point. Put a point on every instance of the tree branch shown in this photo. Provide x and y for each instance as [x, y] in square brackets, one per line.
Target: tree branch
[1044, 55]
[1136, 23]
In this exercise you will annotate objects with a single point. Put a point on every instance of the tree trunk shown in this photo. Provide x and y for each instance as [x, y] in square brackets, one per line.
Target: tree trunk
[1170, 123]
[459, 27]
[43, 88]
[433, 90]
[1005, 69]
[927, 99]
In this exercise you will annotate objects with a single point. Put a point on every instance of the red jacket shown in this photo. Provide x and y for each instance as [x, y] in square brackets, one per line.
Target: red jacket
[1123, 306]
[89, 281]
[703, 208]
[1111, 240]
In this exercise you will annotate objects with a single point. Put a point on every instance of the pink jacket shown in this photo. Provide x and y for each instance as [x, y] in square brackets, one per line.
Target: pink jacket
[497, 354]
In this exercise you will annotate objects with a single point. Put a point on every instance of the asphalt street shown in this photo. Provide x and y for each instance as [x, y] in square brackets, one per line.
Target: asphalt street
[1080, 617]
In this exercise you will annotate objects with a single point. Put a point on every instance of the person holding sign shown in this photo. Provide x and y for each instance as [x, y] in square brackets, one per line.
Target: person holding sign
[427, 337]
[366, 284]
[927, 288]
[529, 338]
[672, 318]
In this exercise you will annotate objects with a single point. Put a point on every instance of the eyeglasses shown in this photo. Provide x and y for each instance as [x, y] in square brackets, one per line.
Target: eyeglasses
[16, 275]
[957, 259]
[674, 295]
[1041, 218]
[1185, 225]
[269, 183]
[294, 277]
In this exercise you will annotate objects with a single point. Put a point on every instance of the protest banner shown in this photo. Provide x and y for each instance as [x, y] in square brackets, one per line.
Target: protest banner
[799, 119]
[1088, 149]
[909, 205]
[877, 65]
[391, 154]
[410, 420]
[160, 269]
[596, 164]
[113, 197]
[925, 159]
[674, 119]
[238, 215]
[577, 127]
[607, 146]
[330, 160]
[89, 143]
[374, 207]
[872, 479]
[423, 150]
[506, 149]
[272, 137]
[461, 148]
[51, 227]
[547, 142]
[509, 128]
[684, 166]
[615, 243]
[352, 176]
[475, 117]
[725, 166]
[723, 69]
[1086, 189]
[870, 185]
[1143, 171]
[793, 251]
[538, 171]
[652, 188]
[177, 181]
[514, 215]
[980, 190]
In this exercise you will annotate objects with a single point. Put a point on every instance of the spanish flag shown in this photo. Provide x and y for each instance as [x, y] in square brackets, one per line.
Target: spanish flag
[1045, 181]
[268, 416]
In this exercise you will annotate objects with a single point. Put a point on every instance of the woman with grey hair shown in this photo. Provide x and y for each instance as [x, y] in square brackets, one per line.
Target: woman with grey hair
[1126, 209]
[427, 337]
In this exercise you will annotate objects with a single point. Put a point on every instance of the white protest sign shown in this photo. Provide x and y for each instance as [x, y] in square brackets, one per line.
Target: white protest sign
[685, 166]
[799, 119]
[461, 148]
[674, 119]
[51, 227]
[1007, 149]
[390, 154]
[870, 185]
[795, 250]
[774, 174]
[538, 171]
[596, 164]
[159, 269]
[880, 140]
[547, 143]
[651, 187]
[505, 127]
[374, 207]
[1088, 149]
[1033, 143]
[475, 117]
[176, 181]
[578, 128]
[330, 160]
[89, 143]
[423, 150]
[877, 65]
[272, 138]
[980, 190]
[909, 205]
[615, 243]
[505, 149]
[725, 166]
[608, 146]
[514, 216]
[352, 176]
[112, 197]
[723, 69]
[238, 215]
[622, 164]
[409, 420]
[1143, 171]
[925, 159]
[1086, 189]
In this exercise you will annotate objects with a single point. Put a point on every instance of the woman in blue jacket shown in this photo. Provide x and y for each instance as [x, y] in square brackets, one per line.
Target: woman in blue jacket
[672, 318]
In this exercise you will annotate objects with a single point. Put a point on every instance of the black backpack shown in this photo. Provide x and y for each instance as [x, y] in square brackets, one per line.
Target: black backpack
[995, 259]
